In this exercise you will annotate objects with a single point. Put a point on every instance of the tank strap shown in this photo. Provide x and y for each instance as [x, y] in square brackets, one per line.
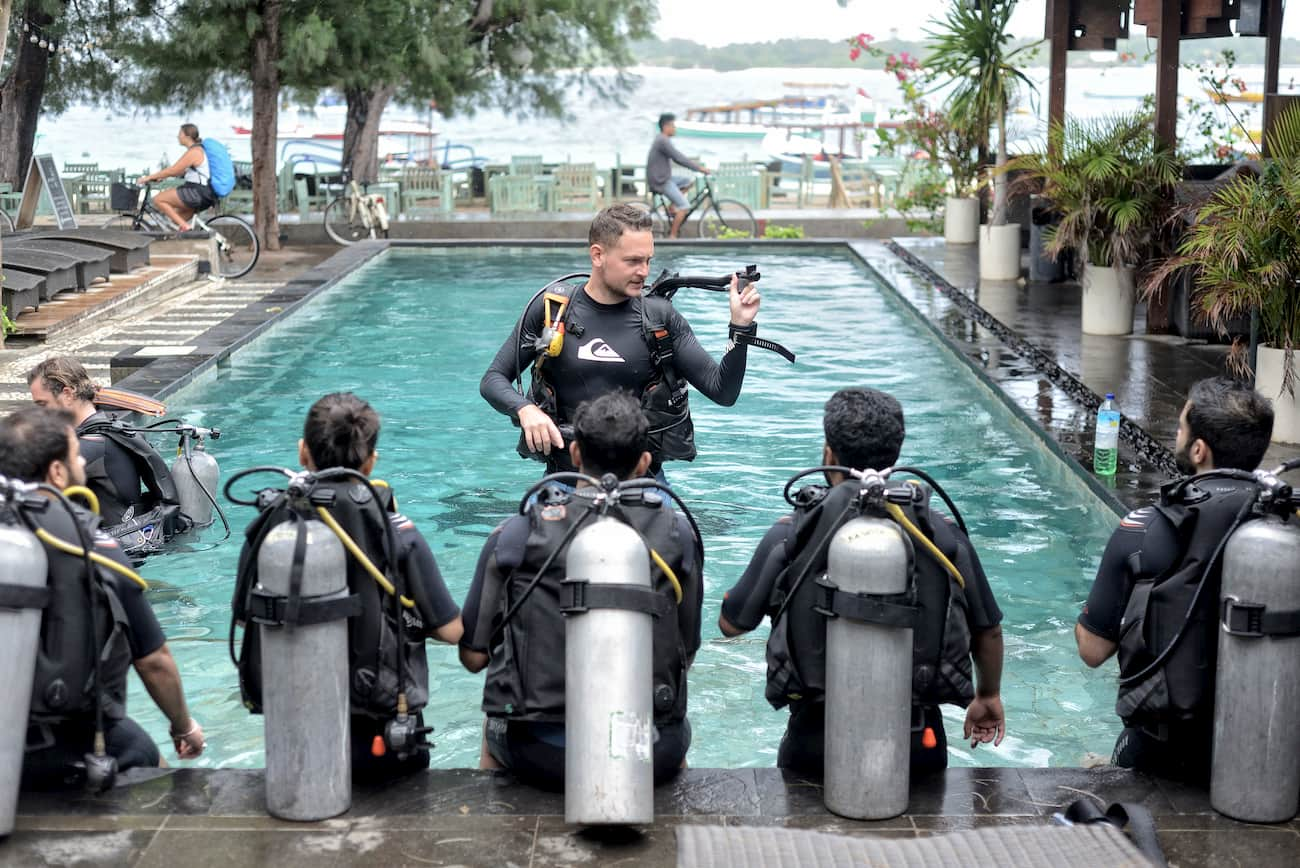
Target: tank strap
[579, 595]
[888, 610]
[1254, 620]
[24, 596]
[273, 610]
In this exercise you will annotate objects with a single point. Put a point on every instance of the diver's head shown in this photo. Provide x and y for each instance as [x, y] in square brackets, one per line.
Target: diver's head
[189, 135]
[39, 444]
[1225, 424]
[864, 430]
[668, 124]
[621, 247]
[609, 436]
[61, 383]
[341, 431]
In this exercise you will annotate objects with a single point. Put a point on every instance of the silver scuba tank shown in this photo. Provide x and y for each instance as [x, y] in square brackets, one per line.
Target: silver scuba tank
[23, 577]
[305, 695]
[868, 678]
[1255, 772]
[608, 686]
[196, 477]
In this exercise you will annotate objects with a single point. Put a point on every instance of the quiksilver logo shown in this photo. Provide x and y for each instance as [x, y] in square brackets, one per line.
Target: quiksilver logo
[597, 350]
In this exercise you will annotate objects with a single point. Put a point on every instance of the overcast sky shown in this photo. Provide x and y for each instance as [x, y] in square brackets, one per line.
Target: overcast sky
[719, 22]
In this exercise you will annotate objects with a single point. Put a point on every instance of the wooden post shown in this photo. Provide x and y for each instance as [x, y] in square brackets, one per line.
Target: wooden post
[1058, 32]
[1167, 73]
[1272, 57]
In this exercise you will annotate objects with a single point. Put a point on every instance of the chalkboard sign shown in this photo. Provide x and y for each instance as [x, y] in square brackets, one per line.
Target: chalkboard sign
[43, 175]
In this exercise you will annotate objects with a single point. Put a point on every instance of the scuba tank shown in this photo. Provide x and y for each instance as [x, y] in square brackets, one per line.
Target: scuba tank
[868, 663]
[608, 675]
[304, 671]
[23, 594]
[196, 474]
[1255, 772]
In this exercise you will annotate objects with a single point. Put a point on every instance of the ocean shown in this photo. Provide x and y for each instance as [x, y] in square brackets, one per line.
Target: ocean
[602, 132]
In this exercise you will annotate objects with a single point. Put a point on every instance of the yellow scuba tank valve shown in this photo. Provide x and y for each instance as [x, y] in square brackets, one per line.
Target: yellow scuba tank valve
[68, 548]
[85, 493]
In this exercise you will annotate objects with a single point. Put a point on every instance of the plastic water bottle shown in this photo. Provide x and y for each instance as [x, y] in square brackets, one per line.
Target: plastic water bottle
[1105, 445]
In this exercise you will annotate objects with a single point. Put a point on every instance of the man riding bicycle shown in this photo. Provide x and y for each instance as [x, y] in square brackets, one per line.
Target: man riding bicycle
[659, 171]
[197, 193]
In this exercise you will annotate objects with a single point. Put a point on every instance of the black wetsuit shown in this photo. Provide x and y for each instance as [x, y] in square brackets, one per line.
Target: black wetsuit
[1183, 751]
[107, 462]
[605, 349]
[745, 605]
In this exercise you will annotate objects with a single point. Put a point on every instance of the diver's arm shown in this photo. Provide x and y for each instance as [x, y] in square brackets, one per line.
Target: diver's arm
[162, 679]
[426, 584]
[1097, 630]
[719, 383]
[1093, 649]
[497, 386]
[744, 606]
[481, 605]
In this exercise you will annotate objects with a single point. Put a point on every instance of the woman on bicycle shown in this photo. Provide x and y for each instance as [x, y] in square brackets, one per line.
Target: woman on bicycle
[195, 194]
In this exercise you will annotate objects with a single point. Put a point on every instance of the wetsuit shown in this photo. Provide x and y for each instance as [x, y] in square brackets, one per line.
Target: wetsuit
[111, 472]
[745, 605]
[534, 747]
[54, 748]
[605, 349]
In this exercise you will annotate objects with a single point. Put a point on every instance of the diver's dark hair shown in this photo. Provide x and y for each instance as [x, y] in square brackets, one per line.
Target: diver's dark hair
[611, 434]
[612, 222]
[31, 439]
[341, 431]
[1233, 419]
[63, 372]
[864, 428]
[665, 119]
[192, 132]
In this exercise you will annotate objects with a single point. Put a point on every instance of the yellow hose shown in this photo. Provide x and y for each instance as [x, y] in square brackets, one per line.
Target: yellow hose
[668, 571]
[382, 484]
[356, 552]
[82, 491]
[68, 548]
[899, 516]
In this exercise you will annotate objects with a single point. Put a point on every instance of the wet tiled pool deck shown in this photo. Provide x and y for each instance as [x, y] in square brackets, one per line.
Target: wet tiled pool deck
[199, 818]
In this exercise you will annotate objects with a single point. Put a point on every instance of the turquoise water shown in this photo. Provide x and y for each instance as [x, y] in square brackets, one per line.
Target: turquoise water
[413, 331]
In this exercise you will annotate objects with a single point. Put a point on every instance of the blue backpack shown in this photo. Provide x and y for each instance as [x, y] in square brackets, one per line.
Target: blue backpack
[221, 172]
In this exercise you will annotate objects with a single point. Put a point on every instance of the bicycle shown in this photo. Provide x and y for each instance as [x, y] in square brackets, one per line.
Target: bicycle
[237, 244]
[720, 217]
[355, 214]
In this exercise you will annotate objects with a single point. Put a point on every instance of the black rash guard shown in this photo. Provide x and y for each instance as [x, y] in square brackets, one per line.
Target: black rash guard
[1143, 530]
[605, 349]
[118, 465]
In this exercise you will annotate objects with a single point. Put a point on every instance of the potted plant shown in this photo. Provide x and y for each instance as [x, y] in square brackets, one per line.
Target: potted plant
[971, 49]
[1244, 250]
[1111, 184]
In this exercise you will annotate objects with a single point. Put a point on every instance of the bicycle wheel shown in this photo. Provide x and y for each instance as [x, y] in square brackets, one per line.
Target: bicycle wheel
[237, 245]
[6, 222]
[727, 218]
[658, 225]
[343, 226]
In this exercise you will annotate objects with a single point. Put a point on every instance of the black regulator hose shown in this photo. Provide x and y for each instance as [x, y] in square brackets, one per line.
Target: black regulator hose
[262, 468]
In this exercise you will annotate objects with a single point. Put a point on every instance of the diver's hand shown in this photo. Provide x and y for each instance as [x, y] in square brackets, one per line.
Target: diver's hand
[985, 721]
[540, 432]
[189, 744]
[744, 305]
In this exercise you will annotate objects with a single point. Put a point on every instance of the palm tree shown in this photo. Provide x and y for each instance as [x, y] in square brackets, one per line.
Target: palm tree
[971, 47]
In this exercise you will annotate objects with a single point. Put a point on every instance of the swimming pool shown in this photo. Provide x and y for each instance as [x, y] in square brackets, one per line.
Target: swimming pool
[412, 332]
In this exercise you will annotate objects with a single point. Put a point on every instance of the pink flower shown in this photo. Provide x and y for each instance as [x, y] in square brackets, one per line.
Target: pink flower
[864, 39]
[862, 92]
[855, 53]
[902, 76]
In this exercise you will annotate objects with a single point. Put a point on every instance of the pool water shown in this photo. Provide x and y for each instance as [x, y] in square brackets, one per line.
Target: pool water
[413, 331]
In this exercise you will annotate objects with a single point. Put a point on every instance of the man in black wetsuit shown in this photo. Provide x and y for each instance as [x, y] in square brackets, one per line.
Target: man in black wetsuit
[524, 696]
[1151, 567]
[39, 445]
[113, 472]
[864, 430]
[607, 345]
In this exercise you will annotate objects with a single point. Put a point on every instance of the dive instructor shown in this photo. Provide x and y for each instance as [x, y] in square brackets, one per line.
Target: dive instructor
[614, 338]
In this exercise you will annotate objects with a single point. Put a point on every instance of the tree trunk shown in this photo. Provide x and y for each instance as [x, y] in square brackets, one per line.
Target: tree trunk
[361, 132]
[21, 93]
[999, 216]
[266, 116]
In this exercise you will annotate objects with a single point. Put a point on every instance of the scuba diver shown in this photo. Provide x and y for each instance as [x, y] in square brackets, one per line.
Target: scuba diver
[137, 495]
[1157, 588]
[391, 568]
[585, 340]
[959, 620]
[95, 625]
[516, 599]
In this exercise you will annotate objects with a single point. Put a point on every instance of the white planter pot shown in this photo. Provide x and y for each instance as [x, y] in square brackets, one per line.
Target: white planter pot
[1268, 382]
[1000, 252]
[961, 220]
[1107, 300]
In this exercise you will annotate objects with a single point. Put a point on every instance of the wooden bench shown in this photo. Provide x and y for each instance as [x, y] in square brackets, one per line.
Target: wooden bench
[740, 181]
[515, 194]
[574, 188]
[426, 188]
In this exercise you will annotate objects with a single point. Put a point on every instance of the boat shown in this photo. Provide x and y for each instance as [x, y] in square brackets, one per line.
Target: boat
[786, 153]
[811, 106]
